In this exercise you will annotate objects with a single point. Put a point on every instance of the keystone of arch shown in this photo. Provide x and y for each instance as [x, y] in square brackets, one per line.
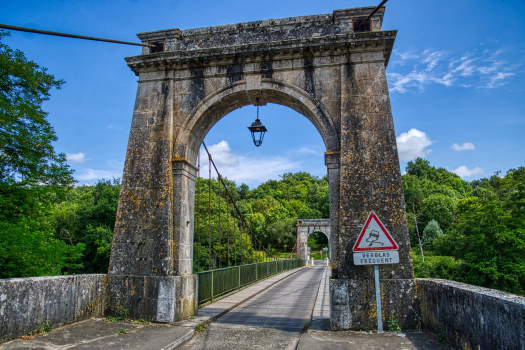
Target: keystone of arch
[239, 94]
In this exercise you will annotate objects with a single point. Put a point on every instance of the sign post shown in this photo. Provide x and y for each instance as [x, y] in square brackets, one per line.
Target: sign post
[375, 246]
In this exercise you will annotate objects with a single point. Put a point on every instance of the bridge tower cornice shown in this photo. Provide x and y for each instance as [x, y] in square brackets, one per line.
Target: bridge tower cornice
[293, 38]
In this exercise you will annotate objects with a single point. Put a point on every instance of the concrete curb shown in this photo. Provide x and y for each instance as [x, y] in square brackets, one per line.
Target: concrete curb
[180, 341]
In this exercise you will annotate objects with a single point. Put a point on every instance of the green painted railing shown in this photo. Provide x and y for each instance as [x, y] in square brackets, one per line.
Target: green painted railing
[215, 283]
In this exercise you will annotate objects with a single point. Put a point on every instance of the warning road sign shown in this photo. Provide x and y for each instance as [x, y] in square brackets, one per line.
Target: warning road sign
[374, 236]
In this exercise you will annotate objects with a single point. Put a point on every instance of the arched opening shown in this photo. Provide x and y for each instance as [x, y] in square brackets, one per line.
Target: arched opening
[319, 244]
[217, 105]
[273, 210]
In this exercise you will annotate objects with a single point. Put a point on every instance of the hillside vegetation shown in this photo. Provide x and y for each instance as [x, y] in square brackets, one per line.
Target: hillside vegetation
[470, 232]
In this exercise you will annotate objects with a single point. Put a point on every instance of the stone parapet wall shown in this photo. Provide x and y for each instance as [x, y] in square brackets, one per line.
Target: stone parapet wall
[472, 317]
[27, 302]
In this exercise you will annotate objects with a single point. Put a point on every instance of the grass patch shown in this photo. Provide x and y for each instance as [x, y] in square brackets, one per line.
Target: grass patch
[44, 327]
[306, 325]
[123, 315]
[122, 330]
[140, 321]
[201, 327]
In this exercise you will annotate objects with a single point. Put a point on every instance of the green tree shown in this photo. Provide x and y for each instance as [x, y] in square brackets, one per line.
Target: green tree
[26, 151]
[431, 232]
[32, 174]
[438, 207]
[29, 250]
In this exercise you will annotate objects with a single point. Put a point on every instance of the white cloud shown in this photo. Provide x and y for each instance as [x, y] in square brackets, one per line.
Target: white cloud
[406, 55]
[94, 174]
[222, 155]
[306, 150]
[76, 157]
[413, 144]
[481, 70]
[463, 171]
[245, 168]
[467, 146]
[495, 80]
[114, 170]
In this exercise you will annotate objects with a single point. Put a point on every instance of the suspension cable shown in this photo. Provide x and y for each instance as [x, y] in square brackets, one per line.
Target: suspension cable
[242, 220]
[75, 36]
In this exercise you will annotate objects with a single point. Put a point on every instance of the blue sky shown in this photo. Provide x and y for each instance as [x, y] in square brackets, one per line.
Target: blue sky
[455, 77]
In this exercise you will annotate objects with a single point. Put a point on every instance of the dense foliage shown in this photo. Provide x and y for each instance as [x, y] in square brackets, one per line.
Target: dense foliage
[471, 232]
[271, 211]
[32, 174]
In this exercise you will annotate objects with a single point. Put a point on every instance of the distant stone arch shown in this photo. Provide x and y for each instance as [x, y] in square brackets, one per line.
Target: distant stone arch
[305, 227]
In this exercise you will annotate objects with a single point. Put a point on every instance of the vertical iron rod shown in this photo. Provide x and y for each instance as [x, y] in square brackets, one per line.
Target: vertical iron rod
[228, 227]
[235, 237]
[242, 253]
[220, 228]
[209, 212]
[199, 212]
[241, 218]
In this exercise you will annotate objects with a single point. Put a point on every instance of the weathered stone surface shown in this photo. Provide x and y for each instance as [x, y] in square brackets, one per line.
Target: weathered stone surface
[353, 304]
[26, 302]
[153, 298]
[472, 317]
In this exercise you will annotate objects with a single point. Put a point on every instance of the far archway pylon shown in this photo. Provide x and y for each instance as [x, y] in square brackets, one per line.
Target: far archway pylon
[305, 227]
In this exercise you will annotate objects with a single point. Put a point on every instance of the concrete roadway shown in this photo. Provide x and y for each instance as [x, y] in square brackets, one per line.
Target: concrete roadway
[273, 319]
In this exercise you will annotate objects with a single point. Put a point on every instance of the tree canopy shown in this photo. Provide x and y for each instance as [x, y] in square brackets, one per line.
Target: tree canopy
[474, 232]
[32, 174]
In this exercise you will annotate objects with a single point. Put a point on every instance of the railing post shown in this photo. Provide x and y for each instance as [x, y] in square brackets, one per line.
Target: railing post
[212, 286]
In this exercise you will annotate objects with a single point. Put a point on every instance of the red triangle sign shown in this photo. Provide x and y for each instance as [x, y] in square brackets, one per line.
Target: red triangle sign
[374, 236]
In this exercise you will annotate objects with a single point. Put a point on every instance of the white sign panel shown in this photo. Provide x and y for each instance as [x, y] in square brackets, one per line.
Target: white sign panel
[376, 258]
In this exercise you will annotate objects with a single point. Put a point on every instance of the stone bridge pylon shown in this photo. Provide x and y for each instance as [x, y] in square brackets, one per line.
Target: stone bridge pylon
[327, 67]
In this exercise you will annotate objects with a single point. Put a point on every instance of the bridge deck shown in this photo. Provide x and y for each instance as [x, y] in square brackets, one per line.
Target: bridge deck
[273, 319]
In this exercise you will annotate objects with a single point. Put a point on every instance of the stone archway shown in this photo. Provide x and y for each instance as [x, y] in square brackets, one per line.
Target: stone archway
[316, 65]
[305, 227]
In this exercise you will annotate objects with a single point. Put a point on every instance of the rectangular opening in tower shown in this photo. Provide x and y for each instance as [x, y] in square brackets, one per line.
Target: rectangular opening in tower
[159, 47]
[360, 25]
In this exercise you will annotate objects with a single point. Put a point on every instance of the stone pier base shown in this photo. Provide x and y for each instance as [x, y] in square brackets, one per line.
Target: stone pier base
[153, 298]
[353, 303]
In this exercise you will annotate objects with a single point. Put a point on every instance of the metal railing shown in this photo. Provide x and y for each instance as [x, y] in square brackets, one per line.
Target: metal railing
[216, 283]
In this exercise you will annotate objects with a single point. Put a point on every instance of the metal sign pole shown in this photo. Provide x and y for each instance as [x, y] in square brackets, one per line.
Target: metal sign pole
[378, 300]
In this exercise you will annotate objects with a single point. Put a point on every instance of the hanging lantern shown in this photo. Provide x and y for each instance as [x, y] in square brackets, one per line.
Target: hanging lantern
[257, 129]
